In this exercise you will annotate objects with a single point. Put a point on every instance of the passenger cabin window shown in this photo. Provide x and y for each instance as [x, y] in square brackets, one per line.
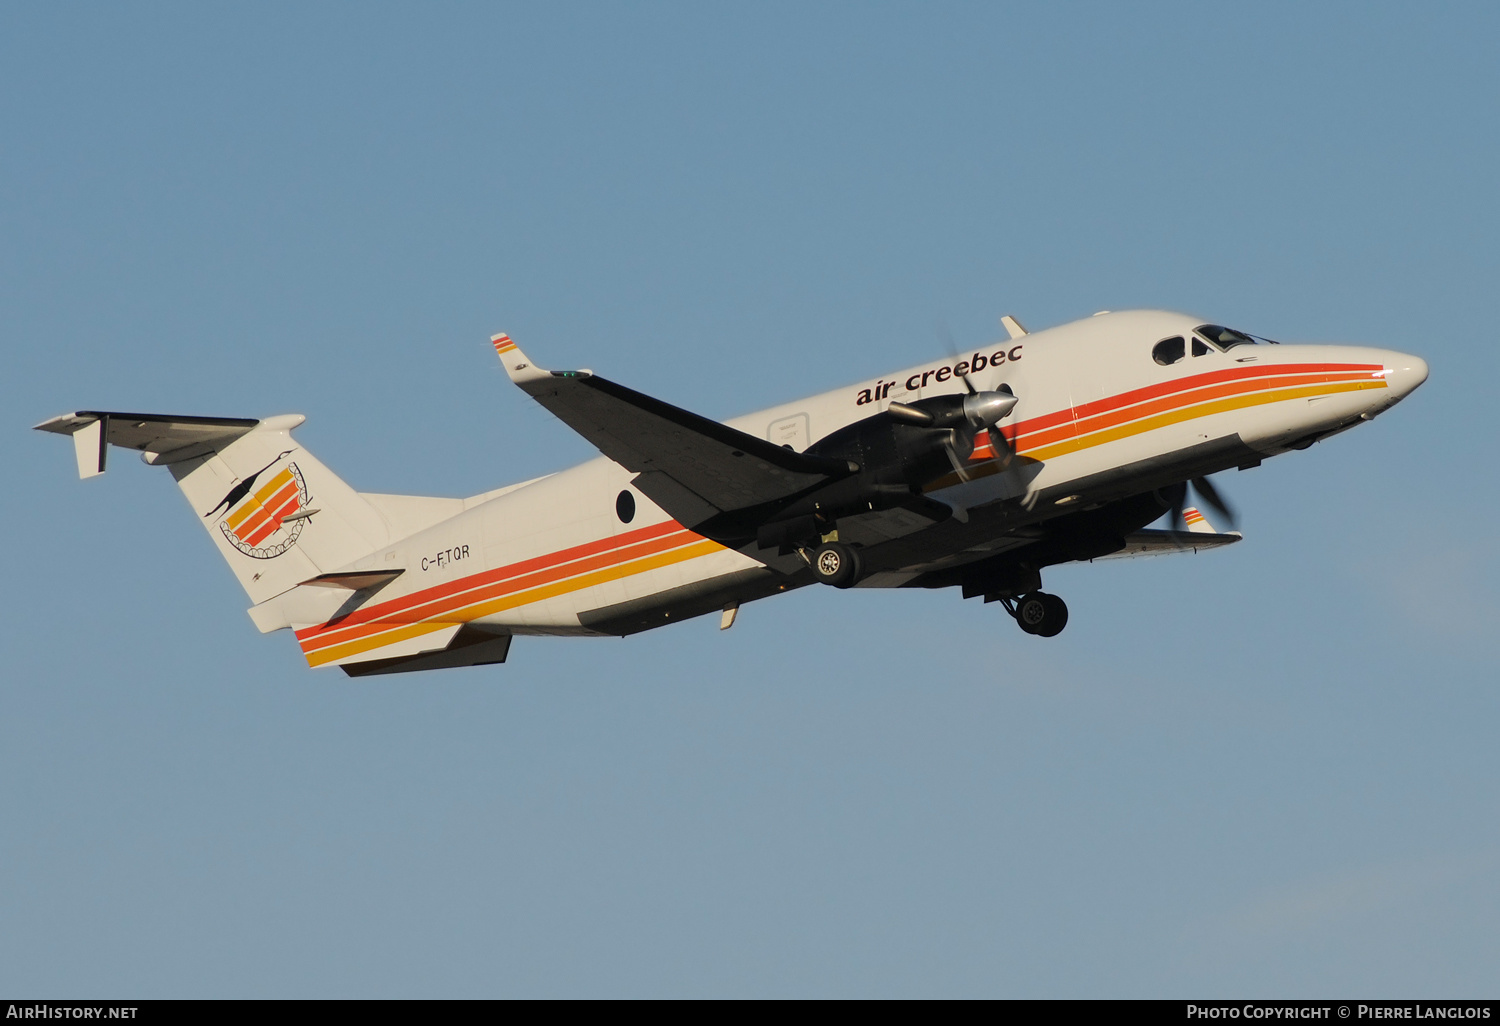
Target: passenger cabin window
[1169, 350]
[1224, 338]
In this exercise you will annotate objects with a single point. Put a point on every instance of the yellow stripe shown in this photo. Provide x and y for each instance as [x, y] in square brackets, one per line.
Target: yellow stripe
[238, 516]
[1136, 427]
[275, 485]
[520, 598]
[1237, 402]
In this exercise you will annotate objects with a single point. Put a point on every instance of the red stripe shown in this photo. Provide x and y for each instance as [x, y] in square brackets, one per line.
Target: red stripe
[277, 513]
[248, 529]
[434, 610]
[1068, 414]
[1087, 425]
[1066, 422]
[389, 608]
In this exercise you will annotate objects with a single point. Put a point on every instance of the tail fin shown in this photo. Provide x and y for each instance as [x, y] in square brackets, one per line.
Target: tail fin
[278, 515]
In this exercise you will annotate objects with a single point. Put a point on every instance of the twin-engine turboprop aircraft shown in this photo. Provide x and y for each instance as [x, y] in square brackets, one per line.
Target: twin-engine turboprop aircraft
[975, 472]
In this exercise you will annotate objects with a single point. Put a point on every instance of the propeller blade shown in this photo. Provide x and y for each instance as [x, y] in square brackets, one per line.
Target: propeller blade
[1213, 499]
[910, 414]
[1001, 451]
[952, 347]
[958, 466]
[993, 409]
[1176, 499]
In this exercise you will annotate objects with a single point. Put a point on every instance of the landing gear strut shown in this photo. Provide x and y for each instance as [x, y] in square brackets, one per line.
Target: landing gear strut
[1039, 613]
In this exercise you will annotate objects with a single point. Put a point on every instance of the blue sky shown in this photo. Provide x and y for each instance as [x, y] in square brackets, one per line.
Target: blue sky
[1266, 771]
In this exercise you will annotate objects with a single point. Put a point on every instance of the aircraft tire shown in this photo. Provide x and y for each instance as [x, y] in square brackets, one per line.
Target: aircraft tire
[1031, 612]
[1041, 614]
[836, 564]
[1057, 617]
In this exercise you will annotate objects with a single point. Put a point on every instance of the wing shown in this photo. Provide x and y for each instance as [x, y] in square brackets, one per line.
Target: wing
[1151, 542]
[692, 467]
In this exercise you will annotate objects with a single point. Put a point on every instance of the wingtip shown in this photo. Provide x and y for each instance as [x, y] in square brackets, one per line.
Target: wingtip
[515, 362]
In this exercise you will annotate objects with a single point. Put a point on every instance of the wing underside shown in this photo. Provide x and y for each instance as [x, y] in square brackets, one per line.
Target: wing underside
[1152, 542]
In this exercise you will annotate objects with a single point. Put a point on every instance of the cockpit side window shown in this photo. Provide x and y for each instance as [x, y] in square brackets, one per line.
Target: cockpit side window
[1169, 350]
[1224, 338]
[1200, 347]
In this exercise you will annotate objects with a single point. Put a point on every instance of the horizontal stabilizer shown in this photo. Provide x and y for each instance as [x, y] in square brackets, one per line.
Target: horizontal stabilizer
[276, 514]
[355, 580]
[161, 438]
[471, 646]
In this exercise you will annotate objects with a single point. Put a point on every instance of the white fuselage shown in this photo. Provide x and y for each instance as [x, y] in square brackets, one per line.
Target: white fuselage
[1098, 418]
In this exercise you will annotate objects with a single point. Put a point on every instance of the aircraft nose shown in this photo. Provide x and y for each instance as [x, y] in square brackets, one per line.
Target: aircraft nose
[1404, 373]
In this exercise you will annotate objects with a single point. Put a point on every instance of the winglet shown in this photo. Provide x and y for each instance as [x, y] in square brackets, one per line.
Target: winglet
[90, 439]
[1196, 522]
[516, 363]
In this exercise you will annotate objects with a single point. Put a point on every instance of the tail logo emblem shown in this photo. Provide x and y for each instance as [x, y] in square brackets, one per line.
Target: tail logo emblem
[263, 524]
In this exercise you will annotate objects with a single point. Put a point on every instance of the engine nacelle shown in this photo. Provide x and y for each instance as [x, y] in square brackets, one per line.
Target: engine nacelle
[900, 450]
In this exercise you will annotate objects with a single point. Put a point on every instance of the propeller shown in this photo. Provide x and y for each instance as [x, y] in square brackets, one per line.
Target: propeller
[1001, 451]
[980, 411]
[1209, 496]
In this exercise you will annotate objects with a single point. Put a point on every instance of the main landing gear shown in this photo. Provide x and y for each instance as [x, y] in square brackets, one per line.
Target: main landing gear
[1039, 613]
[837, 564]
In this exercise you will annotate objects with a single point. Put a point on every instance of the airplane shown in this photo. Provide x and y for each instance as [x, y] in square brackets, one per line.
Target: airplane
[974, 472]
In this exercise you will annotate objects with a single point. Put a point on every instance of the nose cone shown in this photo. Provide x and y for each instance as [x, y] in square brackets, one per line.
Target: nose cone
[1404, 374]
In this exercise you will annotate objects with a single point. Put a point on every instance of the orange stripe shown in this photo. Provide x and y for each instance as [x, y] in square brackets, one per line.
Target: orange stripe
[445, 609]
[389, 610]
[1111, 417]
[262, 514]
[1192, 412]
[276, 510]
[537, 594]
[1145, 424]
[1138, 395]
[235, 518]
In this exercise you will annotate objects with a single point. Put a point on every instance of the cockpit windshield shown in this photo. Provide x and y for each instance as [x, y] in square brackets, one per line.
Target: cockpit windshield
[1224, 338]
